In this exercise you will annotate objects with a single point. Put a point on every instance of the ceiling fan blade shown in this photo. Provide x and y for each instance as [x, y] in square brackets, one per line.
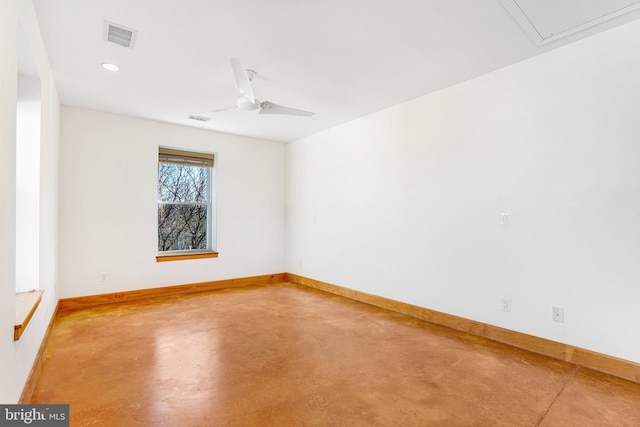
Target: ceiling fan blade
[271, 108]
[242, 80]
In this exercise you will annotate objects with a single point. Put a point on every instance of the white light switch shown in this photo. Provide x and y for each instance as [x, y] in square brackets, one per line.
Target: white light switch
[505, 218]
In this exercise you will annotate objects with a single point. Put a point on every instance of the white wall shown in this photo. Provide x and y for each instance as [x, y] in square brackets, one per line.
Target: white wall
[16, 358]
[8, 98]
[108, 204]
[406, 203]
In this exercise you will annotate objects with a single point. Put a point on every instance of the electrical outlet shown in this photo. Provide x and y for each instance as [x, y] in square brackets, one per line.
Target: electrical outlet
[558, 314]
[103, 277]
[505, 304]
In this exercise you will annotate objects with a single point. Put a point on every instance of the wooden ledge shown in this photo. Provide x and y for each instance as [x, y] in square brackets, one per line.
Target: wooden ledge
[179, 256]
[26, 304]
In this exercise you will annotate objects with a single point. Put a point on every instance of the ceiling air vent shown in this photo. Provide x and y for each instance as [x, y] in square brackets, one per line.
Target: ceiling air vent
[200, 118]
[115, 33]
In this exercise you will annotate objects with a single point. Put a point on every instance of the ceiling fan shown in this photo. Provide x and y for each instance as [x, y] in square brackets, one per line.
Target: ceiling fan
[248, 101]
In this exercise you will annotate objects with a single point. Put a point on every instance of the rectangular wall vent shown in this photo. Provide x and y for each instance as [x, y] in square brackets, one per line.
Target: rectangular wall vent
[200, 118]
[118, 34]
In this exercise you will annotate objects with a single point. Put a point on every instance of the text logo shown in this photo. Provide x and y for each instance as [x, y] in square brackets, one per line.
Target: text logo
[34, 415]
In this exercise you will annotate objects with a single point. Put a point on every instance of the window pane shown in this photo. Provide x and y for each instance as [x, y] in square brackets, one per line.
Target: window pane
[182, 227]
[182, 184]
[183, 207]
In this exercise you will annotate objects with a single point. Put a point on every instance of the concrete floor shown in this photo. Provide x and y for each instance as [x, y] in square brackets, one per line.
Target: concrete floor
[286, 355]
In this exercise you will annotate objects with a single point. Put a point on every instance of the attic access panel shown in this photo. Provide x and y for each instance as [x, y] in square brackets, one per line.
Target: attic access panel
[547, 20]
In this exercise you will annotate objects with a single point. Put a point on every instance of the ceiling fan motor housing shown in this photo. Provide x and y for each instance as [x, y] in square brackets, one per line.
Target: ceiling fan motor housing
[246, 104]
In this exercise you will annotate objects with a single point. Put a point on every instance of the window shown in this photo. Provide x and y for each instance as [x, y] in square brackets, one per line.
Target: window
[185, 208]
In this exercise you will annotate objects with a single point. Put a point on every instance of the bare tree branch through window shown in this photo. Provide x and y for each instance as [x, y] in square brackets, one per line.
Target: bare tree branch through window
[183, 207]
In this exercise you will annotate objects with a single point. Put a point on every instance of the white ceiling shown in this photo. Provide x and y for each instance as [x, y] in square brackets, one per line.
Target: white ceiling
[342, 59]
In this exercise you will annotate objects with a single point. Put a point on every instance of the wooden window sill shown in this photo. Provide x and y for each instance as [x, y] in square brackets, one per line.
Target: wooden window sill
[26, 304]
[177, 256]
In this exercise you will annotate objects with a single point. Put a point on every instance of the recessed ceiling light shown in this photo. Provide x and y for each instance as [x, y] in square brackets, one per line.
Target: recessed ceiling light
[110, 67]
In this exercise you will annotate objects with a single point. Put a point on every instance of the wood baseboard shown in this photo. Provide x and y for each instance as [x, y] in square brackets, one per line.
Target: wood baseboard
[578, 356]
[78, 303]
[34, 374]
[589, 359]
